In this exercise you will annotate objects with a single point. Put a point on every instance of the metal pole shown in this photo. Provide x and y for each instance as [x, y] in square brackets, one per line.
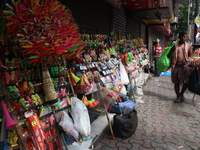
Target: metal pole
[188, 12]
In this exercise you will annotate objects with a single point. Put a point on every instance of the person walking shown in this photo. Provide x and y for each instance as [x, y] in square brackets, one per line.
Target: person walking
[179, 67]
[157, 51]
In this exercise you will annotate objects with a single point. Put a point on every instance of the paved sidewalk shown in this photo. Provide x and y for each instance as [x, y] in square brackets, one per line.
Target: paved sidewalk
[162, 124]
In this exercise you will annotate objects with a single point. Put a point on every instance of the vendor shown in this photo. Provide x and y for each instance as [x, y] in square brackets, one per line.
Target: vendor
[157, 51]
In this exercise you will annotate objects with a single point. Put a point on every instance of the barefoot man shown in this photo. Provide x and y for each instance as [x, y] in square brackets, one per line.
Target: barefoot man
[179, 68]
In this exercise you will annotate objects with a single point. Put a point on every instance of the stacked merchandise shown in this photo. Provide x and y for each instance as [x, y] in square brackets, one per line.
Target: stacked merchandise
[195, 57]
[134, 56]
[98, 70]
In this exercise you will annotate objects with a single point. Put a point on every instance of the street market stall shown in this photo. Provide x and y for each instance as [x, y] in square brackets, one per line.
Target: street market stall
[48, 68]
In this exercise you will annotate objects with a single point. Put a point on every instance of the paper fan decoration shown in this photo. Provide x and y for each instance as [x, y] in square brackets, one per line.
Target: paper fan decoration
[44, 29]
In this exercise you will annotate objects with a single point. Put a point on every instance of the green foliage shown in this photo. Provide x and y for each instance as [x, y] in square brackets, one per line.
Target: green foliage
[183, 16]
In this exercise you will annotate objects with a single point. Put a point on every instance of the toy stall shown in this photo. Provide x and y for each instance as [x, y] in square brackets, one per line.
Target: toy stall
[194, 77]
[51, 75]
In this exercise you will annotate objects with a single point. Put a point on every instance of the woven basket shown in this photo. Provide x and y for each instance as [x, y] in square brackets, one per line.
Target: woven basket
[48, 86]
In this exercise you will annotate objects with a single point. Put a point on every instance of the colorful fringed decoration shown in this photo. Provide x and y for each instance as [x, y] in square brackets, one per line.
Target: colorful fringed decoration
[45, 29]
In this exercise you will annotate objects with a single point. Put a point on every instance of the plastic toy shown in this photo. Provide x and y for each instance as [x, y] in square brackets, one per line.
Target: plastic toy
[90, 103]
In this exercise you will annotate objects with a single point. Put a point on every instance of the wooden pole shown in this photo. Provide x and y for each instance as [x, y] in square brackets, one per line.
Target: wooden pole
[109, 123]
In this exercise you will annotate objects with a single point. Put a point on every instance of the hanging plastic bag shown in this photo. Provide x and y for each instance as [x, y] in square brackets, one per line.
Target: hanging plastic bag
[80, 116]
[123, 74]
[164, 62]
[68, 126]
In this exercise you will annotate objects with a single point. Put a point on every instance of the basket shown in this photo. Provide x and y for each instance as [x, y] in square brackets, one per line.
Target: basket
[47, 85]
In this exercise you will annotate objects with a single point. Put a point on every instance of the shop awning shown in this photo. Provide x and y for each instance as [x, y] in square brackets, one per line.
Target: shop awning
[149, 9]
[133, 5]
[162, 21]
[164, 29]
[183, 2]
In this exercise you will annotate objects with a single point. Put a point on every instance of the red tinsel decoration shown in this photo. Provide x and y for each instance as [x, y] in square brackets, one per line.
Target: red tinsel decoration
[44, 29]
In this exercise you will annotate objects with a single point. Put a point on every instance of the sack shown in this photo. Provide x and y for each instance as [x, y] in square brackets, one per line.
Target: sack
[125, 125]
[164, 62]
[194, 81]
[119, 107]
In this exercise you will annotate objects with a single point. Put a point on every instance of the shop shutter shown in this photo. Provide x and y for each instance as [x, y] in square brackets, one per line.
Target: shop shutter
[143, 32]
[91, 16]
[133, 26]
[119, 19]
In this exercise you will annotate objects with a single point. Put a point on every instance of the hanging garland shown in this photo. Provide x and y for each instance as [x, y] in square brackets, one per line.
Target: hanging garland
[45, 29]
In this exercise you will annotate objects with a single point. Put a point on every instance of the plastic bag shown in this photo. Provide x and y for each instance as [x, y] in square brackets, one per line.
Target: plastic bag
[68, 126]
[123, 74]
[80, 116]
[164, 62]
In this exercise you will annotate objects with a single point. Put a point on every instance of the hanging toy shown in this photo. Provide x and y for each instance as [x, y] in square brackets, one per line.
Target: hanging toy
[16, 105]
[12, 76]
[25, 85]
[7, 63]
[15, 89]
[90, 103]
[90, 76]
[13, 138]
[97, 76]
[86, 84]
[62, 82]
[24, 103]
[14, 93]
[84, 100]
[16, 76]
[79, 87]
[59, 70]
[34, 99]
[73, 82]
[68, 100]
[31, 87]
[130, 56]
[38, 98]
[51, 70]
[93, 55]
[93, 103]
[56, 69]
[7, 75]
[79, 59]
[87, 59]
[21, 90]
[126, 57]
[76, 79]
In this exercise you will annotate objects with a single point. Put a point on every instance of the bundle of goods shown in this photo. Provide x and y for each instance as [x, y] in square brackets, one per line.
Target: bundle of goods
[195, 57]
